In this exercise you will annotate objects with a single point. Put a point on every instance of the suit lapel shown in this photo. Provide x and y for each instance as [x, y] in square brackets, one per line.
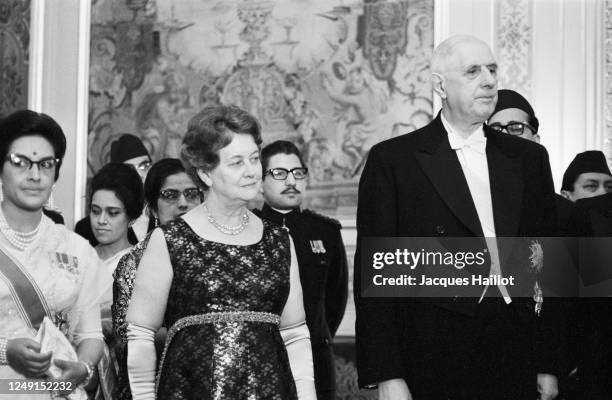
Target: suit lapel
[506, 187]
[506, 195]
[441, 165]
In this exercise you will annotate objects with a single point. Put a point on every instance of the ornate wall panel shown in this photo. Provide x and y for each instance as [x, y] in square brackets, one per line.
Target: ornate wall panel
[514, 44]
[334, 77]
[14, 54]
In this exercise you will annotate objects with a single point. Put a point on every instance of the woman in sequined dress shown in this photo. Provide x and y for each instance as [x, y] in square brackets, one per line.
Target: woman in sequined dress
[225, 283]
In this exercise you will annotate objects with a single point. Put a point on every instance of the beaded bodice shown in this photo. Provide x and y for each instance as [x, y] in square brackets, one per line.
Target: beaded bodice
[216, 277]
[223, 315]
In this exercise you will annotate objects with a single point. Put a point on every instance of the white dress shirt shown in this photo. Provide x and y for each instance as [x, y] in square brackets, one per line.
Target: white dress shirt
[472, 156]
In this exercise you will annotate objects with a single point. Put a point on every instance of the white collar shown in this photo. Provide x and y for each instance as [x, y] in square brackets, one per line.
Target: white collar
[477, 139]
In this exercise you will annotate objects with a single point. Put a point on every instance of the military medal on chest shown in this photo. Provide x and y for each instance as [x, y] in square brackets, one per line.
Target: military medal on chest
[285, 227]
[317, 247]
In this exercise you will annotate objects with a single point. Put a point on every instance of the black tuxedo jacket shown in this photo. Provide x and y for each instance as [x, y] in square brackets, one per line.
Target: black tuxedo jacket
[413, 186]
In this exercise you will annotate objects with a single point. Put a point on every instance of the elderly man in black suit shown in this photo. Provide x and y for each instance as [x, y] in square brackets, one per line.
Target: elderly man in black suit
[456, 177]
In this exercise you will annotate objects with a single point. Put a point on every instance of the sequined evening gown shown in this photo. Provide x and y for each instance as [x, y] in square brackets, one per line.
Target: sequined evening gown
[223, 311]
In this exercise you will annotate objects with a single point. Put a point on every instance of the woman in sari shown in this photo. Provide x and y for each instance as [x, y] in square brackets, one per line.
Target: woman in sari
[46, 269]
[116, 201]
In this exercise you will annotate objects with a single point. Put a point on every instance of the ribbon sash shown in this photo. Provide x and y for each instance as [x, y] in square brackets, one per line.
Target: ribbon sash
[25, 292]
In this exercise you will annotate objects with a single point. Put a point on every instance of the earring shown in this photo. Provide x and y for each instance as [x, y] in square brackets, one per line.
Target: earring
[156, 221]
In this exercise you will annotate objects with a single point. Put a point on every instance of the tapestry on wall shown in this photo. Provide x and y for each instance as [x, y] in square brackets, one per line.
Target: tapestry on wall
[14, 54]
[334, 77]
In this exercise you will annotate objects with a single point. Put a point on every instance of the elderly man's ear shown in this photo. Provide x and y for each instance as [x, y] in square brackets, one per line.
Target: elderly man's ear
[437, 82]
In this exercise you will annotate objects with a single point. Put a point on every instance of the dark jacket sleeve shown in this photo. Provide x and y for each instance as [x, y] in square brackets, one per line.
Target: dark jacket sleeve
[551, 343]
[379, 322]
[336, 291]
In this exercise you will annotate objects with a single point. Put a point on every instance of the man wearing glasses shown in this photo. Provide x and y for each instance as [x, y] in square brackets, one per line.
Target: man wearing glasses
[514, 115]
[320, 253]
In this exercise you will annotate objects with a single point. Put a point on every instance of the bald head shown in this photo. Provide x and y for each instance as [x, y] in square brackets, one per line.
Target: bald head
[464, 75]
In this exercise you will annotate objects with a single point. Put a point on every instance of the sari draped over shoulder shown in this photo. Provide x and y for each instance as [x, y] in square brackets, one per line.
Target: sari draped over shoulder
[71, 281]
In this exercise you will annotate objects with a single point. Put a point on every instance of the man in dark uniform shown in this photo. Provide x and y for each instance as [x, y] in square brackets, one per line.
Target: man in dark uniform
[320, 253]
[514, 115]
[587, 182]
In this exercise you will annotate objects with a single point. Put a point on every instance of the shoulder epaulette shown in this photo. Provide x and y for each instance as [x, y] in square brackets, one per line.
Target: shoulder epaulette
[323, 218]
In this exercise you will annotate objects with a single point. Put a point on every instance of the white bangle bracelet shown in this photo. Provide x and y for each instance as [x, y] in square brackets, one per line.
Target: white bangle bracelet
[3, 358]
[90, 371]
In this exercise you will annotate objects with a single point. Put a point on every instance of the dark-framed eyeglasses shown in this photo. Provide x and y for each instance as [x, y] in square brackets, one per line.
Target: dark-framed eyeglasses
[23, 163]
[514, 128]
[280, 174]
[172, 195]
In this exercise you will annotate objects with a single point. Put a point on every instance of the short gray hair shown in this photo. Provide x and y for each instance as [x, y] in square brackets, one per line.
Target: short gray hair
[444, 50]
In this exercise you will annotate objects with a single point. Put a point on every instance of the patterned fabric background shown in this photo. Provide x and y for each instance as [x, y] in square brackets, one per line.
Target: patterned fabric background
[514, 44]
[333, 77]
[14, 54]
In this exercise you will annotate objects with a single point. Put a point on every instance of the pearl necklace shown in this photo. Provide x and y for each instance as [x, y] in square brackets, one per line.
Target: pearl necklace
[227, 230]
[19, 240]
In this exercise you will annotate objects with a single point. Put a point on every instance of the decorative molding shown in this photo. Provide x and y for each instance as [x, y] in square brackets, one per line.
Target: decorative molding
[37, 52]
[514, 44]
[607, 50]
[82, 94]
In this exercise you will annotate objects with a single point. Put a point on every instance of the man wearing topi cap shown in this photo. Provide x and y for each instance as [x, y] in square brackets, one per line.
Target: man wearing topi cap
[514, 115]
[587, 175]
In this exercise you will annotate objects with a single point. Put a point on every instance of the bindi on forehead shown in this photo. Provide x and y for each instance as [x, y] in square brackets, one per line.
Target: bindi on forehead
[32, 146]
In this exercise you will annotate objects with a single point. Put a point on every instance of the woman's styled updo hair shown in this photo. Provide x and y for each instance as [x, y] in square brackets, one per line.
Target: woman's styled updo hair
[30, 123]
[124, 181]
[211, 130]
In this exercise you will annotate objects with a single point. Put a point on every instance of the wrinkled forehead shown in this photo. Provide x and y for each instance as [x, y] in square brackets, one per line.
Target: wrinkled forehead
[471, 52]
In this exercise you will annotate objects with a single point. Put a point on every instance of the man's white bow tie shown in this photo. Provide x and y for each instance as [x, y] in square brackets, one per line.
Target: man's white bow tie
[475, 142]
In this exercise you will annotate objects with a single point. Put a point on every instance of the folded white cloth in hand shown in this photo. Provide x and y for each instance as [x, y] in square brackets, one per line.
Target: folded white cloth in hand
[51, 339]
